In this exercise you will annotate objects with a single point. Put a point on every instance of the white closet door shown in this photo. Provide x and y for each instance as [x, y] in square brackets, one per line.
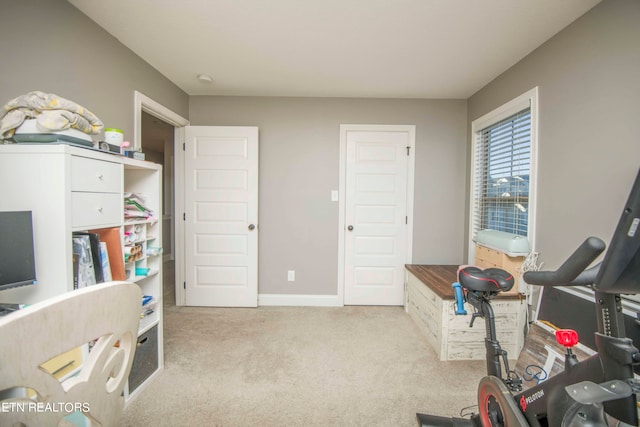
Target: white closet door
[376, 217]
[221, 216]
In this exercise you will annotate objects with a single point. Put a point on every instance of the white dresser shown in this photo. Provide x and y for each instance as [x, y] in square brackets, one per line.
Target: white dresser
[72, 189]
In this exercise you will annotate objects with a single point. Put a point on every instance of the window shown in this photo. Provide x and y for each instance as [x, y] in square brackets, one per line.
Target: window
[503, 168]
[503, 161]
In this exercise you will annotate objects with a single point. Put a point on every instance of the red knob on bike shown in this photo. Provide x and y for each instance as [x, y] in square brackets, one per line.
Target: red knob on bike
[567, 337]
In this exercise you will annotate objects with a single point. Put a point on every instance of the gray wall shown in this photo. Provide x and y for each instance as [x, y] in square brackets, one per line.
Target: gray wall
[589, 139]
[589, 147]
[49, 45]
[299, 166]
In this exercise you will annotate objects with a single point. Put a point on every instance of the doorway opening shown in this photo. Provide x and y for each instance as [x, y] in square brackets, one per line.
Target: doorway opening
[157, 132]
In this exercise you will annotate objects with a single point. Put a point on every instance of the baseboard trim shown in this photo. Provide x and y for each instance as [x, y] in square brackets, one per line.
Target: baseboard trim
[299, 300]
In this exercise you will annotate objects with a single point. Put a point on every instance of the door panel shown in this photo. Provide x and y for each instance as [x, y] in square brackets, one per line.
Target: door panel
[376, 217]
[221, 206]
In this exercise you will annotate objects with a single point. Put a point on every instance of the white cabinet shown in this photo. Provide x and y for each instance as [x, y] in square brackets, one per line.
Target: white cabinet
[71, 189]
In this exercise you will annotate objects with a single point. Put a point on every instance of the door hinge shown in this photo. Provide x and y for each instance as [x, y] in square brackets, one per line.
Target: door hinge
[184, 216]
[406, 220]
[184, 146]
[184, 285]
[408, 150]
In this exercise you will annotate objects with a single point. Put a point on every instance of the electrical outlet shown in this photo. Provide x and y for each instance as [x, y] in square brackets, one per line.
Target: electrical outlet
[291, 275]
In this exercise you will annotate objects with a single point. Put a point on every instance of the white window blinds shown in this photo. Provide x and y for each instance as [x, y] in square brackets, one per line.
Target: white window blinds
[502, 173]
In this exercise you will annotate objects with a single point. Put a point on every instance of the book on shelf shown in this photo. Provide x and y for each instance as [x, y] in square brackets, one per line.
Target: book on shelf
[86, 275]
[113, 240]
[76, 262]
[94, 239]
[94, 244]
[106, 265]
[97, 257]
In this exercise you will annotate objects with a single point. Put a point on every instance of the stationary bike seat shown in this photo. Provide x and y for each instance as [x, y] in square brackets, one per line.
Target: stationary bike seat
[487, 280]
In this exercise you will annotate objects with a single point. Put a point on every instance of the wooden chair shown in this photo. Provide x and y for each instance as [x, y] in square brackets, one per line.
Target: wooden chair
[107, 317]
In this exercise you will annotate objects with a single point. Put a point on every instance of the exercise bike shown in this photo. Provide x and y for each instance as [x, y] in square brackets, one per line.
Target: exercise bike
[598, 391]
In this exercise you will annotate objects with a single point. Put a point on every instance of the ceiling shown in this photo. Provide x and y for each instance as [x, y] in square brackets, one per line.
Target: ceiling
[333, 48]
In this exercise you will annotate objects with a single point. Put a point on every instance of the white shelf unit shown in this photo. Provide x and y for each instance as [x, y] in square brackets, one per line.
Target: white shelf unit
[145, 266]
[72, 189]
[145, 179]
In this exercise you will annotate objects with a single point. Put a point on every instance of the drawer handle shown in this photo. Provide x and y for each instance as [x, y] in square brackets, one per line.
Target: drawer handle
[100, 209]
[142, 341]
[100, 176]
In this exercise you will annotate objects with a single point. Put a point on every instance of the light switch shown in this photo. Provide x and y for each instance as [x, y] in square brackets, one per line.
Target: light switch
[334, 195]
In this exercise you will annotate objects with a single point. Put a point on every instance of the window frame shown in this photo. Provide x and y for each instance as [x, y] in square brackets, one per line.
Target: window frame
[529, 100]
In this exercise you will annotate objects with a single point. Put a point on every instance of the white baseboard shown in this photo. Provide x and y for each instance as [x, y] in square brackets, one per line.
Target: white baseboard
[299, 300]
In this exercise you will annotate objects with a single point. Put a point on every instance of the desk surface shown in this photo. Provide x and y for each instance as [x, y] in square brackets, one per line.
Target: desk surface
[440, 277]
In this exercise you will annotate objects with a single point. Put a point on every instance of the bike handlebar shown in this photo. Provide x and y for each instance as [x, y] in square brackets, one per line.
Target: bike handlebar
[572, 271]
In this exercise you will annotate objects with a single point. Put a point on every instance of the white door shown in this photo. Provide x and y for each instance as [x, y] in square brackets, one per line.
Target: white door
[377, 207]
[221, 216]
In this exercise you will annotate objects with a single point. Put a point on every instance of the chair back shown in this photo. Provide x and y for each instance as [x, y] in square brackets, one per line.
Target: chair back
[100, 324]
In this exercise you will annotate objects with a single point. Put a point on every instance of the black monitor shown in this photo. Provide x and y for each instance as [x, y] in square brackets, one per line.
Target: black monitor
[17, 253]
[620, 269]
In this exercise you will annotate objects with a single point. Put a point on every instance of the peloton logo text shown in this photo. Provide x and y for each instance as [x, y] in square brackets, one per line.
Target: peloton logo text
[525, 401]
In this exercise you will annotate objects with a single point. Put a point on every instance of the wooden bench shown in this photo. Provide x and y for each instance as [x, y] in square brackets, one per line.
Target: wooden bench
[430, 301]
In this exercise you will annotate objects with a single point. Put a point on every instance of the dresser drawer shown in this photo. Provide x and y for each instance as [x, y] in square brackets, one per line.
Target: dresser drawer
[95, 210]
[489, 255]
[481, 263]
[95, 175]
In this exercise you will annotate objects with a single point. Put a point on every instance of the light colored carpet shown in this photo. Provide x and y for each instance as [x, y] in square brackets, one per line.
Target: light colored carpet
[299, 366]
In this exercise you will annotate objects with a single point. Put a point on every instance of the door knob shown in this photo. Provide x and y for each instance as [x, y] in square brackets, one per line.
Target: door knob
[350, 228]
[251, 227]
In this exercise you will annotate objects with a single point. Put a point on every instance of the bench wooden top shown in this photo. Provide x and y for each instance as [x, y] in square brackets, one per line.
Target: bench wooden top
[440, 277]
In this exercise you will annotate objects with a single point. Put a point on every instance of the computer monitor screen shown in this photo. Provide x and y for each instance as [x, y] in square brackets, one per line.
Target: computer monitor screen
[17, 254]
[620, 269]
